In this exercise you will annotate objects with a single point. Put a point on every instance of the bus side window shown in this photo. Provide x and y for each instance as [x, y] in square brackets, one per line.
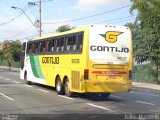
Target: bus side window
[71, 43]
[29, 47]
[67, 43]
[24, 46]
[46, 45]
[35, 47]
[42, 46]
[49, 45]
[79, 42]
[60, 45]
[52, 45]
[74, 42]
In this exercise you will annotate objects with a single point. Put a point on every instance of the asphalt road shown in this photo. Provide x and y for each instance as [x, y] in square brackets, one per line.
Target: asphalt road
[18, 98]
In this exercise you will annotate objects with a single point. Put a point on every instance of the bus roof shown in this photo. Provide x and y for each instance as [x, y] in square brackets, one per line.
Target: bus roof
[78, 29]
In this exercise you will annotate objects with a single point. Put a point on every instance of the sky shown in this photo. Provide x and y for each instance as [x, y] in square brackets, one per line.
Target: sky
[14, 24]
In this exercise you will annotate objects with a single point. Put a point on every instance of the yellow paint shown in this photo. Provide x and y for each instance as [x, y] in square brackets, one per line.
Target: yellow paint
[111, 36]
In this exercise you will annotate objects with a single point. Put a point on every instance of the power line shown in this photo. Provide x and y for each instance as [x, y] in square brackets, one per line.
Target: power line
[28, 38]
[108, 21]
[53, 32]
[43, 1]
[20, 32]
[90, 15]
[82, 18]
[32, 9]
[114, 19]
[122, 21]
[12, 19]
[39, 4]
[121, 18]
[47, 0]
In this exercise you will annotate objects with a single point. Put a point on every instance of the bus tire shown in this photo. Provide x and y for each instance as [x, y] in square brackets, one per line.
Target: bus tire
[59, 86]
[25, 78]
[67, 91]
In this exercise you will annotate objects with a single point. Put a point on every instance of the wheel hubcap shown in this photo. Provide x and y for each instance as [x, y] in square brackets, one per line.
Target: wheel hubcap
[67, 87]
[58, 86]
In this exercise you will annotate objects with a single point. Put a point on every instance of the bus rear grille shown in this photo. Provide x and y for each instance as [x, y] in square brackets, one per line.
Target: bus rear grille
[75, 80]
[104, 66]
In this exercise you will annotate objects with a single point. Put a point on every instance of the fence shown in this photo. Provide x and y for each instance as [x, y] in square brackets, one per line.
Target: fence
[5, 63]
[145, 73]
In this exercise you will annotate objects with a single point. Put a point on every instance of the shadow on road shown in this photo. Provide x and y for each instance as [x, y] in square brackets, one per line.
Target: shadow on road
[91, 97]
[98, 98]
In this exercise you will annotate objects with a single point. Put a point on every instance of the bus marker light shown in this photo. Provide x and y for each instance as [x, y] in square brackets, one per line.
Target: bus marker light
[86, 74]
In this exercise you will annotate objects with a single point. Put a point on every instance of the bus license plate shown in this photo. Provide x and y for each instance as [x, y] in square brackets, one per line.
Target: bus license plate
[112, 77]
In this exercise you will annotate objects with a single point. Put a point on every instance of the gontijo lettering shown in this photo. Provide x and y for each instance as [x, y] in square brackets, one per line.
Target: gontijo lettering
[109, 49]
[50, 60]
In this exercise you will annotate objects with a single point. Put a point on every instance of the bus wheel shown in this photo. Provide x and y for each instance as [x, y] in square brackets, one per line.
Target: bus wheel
[25, 78]
[59, 86]
[67, 91]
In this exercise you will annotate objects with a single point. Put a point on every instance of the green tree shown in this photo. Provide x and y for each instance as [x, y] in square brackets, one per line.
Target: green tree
[10, 51]
[137, 50]
[1, 56]
[147, 39]
[6, 48]
[64, 28]
[15, 49]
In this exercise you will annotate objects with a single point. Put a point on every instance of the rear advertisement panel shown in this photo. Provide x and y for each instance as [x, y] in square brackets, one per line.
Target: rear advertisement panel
[109, 45]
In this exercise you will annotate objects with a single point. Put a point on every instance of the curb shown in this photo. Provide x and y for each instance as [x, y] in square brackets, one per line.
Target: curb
[150, 86]
[7, 69]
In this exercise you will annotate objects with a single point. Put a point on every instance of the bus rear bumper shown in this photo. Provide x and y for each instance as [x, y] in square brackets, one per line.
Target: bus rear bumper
[100, 87]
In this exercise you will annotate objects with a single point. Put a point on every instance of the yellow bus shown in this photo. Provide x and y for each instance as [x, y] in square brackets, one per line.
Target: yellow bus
[87, 59]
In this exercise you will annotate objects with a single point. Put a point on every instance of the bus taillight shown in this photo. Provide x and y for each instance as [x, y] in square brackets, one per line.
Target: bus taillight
[86, 74]
[130, 74]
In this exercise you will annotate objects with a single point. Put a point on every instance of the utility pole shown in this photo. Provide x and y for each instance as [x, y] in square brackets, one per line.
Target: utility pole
[40, 15]
[40, 18]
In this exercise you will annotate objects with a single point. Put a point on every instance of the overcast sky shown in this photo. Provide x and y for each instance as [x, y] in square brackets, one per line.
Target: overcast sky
[13, 27]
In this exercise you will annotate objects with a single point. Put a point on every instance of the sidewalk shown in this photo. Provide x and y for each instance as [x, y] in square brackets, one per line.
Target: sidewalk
[146, 85]
[12, 68]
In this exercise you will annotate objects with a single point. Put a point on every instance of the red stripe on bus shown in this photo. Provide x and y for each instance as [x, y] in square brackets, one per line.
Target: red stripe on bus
[109, 72]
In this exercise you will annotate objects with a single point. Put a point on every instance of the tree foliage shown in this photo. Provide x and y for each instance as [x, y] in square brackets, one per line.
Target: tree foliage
[64, 28]
[148, 26]
[137, 49]
[146, 31]
[10, 50]
[15, 49]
